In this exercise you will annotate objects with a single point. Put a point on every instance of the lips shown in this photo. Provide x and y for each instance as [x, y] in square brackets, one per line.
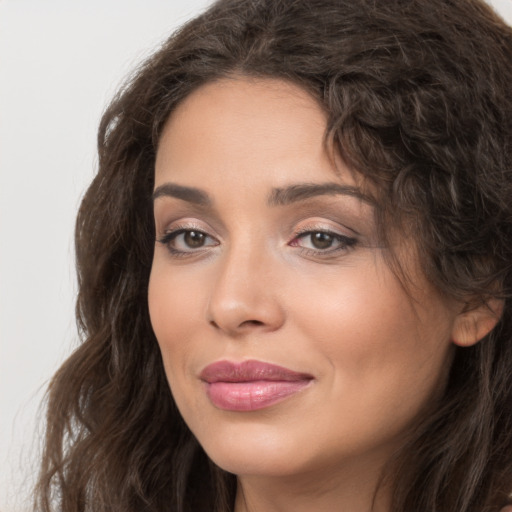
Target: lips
[250, 385]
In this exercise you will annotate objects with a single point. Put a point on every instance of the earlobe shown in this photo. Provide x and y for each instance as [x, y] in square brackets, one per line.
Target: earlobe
[472, 325]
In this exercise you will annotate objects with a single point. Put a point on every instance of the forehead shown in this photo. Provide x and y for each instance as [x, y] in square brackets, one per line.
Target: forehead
[271, 105]
[250, 124]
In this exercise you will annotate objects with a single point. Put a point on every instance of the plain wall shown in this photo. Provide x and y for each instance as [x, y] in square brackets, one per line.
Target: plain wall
[60, 62]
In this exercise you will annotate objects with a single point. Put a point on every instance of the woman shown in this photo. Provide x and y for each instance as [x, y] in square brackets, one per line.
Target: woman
[295, 269]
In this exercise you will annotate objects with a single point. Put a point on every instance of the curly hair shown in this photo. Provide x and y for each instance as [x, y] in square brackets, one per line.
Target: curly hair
[417, 94]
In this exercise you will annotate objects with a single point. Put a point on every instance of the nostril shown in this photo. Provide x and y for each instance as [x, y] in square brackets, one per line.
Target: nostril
[246, 323]
[250, 323]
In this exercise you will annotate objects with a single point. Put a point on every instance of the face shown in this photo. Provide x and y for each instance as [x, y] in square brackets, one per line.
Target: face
[288, 344]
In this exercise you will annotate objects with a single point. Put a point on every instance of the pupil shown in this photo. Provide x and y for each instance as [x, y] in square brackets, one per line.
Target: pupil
[194, 239]
[321, 240]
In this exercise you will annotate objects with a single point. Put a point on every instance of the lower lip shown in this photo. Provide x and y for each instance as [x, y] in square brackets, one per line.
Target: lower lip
[253, 395]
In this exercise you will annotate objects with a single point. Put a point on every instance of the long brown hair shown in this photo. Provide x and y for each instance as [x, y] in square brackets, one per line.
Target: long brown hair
[417, 94]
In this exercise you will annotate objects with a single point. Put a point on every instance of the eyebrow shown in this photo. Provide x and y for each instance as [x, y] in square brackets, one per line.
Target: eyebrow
[189, 194]
[278, 197]
[303, 191]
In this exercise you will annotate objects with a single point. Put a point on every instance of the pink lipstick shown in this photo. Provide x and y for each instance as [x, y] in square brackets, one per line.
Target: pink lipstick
[250, 385]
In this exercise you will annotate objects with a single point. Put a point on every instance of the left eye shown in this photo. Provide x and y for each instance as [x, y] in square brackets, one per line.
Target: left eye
[193, 239]
[322, 241]
[187, 240]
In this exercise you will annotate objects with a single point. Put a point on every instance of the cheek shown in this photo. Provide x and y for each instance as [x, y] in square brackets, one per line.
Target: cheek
[174, 310]
[360, 313]
[381, 348]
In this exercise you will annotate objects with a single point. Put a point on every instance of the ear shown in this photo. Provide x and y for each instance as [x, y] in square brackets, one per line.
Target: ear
[471, 325]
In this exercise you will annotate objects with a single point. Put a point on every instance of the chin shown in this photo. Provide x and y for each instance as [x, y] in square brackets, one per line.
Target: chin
[254, 450]
[257, 462]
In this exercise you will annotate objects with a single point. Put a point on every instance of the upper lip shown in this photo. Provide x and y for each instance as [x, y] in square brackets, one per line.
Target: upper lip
[248, 371]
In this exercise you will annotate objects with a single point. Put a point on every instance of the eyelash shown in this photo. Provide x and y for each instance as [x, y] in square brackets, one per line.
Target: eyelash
[170, 236]
[345, 243]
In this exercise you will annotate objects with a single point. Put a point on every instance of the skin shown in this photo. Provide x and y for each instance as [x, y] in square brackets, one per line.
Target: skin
[255, 286]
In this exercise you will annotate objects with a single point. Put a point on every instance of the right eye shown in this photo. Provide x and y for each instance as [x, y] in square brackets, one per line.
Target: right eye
[187, 240]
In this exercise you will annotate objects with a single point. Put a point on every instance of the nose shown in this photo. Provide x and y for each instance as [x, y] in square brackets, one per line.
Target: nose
[245, 297]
